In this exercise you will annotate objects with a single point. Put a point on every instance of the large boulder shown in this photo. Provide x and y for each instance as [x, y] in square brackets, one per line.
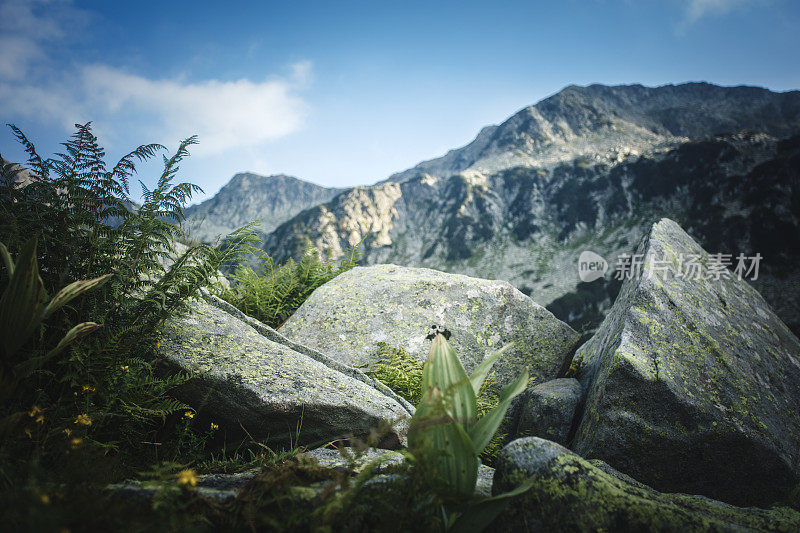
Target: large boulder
[569, 493]
[347, 317]
[548, 409]
[242, 378]
[693, 384]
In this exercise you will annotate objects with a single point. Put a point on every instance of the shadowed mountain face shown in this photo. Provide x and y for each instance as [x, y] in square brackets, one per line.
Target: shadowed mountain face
[590, 168]
[247, 197]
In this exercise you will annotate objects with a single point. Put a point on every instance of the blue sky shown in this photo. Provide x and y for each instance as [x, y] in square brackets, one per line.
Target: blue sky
[345, 93]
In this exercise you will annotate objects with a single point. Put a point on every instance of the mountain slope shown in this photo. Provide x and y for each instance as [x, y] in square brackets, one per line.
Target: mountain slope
[603, 122]
[247, 197]
[589, 168]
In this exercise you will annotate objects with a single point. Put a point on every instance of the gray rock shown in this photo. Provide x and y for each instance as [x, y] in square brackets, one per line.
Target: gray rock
[218, 487]
[347, 317]
[332, 458]
[240, 377]
[569, 493]
[693, 384]
[483, 487]
[274, 336]
[350, 457]
[548, 409]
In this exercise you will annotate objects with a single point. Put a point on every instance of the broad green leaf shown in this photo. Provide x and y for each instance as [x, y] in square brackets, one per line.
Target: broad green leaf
[20, 303]
[81, 330]
[483, 431]
[443, 370]
[478, 516]
[482, 370]
[9, 264]
[449, 456]
[71, 291]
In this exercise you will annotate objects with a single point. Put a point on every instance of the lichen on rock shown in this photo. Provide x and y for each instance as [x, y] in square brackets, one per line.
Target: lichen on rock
[348, 316]
[240, 377]
[692, 383]
[569, 493]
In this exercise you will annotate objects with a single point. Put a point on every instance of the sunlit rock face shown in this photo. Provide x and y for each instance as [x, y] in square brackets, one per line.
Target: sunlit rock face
[347, 317]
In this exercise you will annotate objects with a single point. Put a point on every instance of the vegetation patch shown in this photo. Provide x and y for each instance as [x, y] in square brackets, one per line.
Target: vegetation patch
[272, 293]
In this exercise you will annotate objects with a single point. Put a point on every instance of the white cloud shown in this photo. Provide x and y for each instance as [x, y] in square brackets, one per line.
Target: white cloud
[224, 114]
[697, 9]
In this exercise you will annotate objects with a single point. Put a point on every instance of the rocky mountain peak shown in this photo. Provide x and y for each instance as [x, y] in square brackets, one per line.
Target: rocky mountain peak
[249, 196]
[601, 122]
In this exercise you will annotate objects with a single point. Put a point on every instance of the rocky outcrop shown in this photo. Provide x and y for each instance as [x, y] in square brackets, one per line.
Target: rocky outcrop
[347, 317]
[693, 383]
[276, 393]
[548, 409]
[569, 493]
[247, 197]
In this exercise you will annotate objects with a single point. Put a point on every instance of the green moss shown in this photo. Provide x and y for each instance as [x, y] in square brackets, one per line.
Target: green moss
[573, 495]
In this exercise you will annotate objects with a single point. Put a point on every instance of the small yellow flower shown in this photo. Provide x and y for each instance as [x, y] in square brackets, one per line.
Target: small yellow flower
[83, 420]
[158, 343]
[75, 442]
[188, 478]
[67, 432]
[40, 419]
[35, 410]
[45, 499]
[125, 368]
[88, 388]
[188, 414]
[28, 433]
[214, 427]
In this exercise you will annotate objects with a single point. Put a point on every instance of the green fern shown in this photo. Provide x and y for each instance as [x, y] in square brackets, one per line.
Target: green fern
[272, 293]
[398, 370]
[106, 389]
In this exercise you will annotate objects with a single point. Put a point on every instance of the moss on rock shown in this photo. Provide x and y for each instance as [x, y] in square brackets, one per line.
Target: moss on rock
[570, 493]
[692, 382]
[348, 316]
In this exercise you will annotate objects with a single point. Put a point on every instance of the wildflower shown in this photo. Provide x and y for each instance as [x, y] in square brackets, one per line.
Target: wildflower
[83, 420]
[188, 414]
[67, 432]
[28, 433]
[45, 499]
[125, 368]
[188, 478]
[158, 343]
[35, 410]
[214, 427]
[40, 419]
[75, 442]
[88, 388]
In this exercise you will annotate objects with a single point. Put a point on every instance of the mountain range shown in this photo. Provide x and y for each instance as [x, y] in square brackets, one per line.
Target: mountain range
[589, 168]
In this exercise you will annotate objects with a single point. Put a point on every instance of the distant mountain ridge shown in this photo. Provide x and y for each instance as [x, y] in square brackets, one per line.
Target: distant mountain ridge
[604, 122]
[247, 197]
[587, 168]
